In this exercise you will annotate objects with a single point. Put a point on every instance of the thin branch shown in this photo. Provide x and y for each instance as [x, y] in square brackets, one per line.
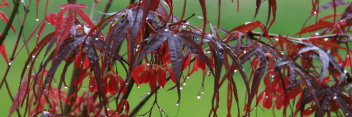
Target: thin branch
[142, 102]
[8, 25]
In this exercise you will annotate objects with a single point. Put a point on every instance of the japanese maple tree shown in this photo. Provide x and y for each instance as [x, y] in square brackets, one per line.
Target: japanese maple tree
[147, 44]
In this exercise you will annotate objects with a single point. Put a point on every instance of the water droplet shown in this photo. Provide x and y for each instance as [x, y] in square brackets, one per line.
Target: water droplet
[266, 96]
[28, 66]
[202, 92]
[317, 34]
[65, 87]
[247, 23]
[10, 63]
[97, 38]
[208, 73]
[198, 97]
[37, 20]
[209, 36]
[345, 71]
[335, 97]
[138, 87]
[148, 64]
[276, 39]
[314, 12]
[326, 39]
[187, 77]
[177, 104]
[181, 88]
[148, 93]
[160, 109]
[184, 84]
[22, 1]
[244, 52]
[167, 30]
[33, 56]
[272, 76]
[45, 113]
[235, 70]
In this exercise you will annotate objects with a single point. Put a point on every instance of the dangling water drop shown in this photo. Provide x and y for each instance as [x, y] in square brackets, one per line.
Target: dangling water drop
[198, 97]
[10, 63]
[314, 12]
[65, 87]
[37, 20]
[184, 84]
[181, 88]
[326, 39]
[138, 87]
[177, 104]
[335, 97]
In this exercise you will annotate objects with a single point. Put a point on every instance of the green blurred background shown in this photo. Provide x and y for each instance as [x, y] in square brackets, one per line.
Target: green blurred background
[291, 14]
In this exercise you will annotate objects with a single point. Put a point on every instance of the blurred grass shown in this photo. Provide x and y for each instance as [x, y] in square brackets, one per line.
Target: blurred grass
[291, 14]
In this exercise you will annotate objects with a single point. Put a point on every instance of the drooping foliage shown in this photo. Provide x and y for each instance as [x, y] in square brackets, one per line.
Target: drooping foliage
[302, 75]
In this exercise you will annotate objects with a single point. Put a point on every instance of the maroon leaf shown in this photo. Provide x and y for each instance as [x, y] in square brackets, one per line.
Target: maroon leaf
[247, 27]
[20, 96]
[153, 43]
[161, 77]
[4, 18]
[3, 52]
[176, 60]
[315, 27]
